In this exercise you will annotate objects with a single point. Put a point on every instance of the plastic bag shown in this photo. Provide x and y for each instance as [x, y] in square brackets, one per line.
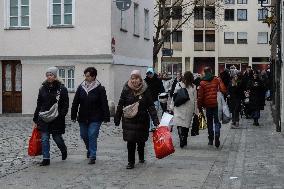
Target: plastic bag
[163, 143]
[35, 143]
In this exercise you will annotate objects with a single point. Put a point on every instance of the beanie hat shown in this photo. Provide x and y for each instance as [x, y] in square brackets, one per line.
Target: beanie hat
[150, 70]
[136, 72]
[52, 70]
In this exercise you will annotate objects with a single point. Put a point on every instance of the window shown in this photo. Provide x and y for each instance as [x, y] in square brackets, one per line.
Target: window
[242, 14]
[61, 12]
[198, 13]
[210, 13]
[146, 24]
[229, 1]
[123, 21]
[177, 36]
[177, 13]
[136, 19]
[242, 2]
[229, 14]
[18, 13]
[242, 38]
[198, 36]
[166, 35]
[262, 14]
[229, 38]
[263, 1]
[262, 38]
[67, 76]
[210, 36]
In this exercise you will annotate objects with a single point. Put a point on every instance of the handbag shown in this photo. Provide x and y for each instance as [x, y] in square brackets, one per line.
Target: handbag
[34, 148]
[51, 114]
[131, 110]
[202, 121]
[163, 142]
[181, 97]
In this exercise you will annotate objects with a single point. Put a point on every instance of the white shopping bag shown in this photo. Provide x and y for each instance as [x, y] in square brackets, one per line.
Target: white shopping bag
[167, 120]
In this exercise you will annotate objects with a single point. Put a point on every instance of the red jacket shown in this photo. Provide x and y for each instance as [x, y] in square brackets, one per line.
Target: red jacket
[207, 93]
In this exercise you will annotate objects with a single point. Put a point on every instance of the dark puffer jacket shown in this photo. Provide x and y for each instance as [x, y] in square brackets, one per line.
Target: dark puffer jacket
[136, 129]
[207, 93]
[155, 86]
[93, 106]
[46, 99]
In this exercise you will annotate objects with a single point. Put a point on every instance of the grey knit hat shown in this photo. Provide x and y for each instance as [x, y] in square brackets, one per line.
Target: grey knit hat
[52, 70]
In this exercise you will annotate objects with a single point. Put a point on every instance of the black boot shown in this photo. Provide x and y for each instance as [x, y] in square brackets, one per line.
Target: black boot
[130, 166]
[88, 154]
[92, 161]
[45, 162]
[217, 141]
[210, 140]
[141, 155]
[64, 155]
[256, 122]
[181, 140]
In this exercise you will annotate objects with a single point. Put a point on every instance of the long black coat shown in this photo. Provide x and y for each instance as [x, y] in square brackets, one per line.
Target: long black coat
[46, 99]
[235, 96]
[93, 106]
[136, 129]
[256, 88]
[155, 85]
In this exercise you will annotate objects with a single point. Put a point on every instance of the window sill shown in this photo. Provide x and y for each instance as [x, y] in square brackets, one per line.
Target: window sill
[262, 43]
[60, 26]
[123, 30]
[18, 28]
[146, 38]
[136, 35]
[242, 20]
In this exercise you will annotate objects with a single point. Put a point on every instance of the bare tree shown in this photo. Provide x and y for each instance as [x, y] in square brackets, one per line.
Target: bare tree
[167, 10]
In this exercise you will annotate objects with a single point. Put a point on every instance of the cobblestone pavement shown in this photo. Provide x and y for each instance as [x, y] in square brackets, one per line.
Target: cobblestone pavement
[249, 158]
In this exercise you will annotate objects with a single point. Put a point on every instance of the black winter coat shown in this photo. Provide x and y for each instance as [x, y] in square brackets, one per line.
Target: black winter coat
[93, 106]
[46, 99]
[155, 85]
[256, 88]
[235, 96]
[136, 129]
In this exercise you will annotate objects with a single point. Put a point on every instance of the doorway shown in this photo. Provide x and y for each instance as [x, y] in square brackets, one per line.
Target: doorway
[12, 86]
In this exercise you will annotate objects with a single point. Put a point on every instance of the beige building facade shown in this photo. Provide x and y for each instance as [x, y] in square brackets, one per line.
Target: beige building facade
[72, 35]
[219, 34]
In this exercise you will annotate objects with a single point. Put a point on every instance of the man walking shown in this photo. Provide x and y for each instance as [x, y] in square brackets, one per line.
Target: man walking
[207, 98]
[156, 87]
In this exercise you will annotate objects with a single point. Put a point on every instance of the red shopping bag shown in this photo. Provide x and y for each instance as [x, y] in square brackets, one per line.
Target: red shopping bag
[163, 143]
[35, 143]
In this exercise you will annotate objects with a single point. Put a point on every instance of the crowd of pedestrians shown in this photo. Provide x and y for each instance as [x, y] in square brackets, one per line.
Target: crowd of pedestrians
[140, 99]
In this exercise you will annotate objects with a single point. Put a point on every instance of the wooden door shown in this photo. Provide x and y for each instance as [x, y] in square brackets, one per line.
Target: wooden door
[12, 86]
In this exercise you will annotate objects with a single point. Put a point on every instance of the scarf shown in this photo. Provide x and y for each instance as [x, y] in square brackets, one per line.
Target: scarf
[139, 89]
[90, 86]
[208, 77]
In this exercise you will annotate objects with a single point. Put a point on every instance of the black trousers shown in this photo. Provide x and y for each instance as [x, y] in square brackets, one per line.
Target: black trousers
[131, 146]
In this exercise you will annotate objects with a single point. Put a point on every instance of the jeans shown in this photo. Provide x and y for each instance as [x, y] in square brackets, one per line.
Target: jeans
[256, 114]
[90, 133]
[157, 106]
[212, 114]
[131, 146]
[46, 145]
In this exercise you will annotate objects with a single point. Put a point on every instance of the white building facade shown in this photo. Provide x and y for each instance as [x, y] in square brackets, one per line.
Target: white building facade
[219, 34]
[72, 35]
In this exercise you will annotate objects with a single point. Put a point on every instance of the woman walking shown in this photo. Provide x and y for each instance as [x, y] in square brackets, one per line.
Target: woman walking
[255, 88]
[91, 99]
[235, 93]
[184, 113]
[135, 117]
[51, 92]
